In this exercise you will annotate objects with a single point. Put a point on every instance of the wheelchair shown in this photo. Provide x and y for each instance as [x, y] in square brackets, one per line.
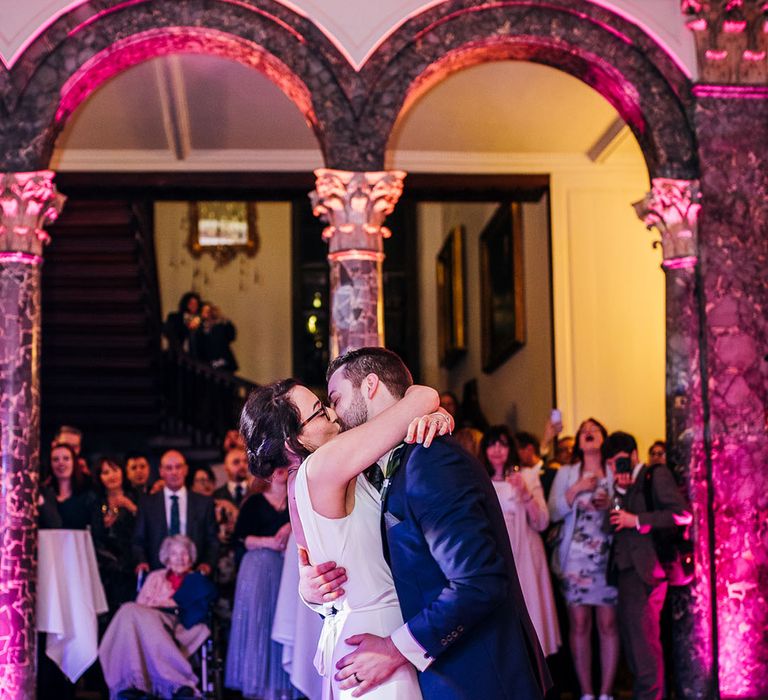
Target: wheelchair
[207, 661]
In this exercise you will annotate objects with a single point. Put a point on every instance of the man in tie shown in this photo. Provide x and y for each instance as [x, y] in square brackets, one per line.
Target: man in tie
[236, 467]
[175, 511]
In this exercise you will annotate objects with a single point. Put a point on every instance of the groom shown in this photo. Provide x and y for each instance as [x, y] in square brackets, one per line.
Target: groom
[466, 626]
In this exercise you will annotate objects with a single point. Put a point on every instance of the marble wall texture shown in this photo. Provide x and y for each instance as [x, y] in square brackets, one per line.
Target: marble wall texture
[352, 112]
[733, 232]
[19, 453]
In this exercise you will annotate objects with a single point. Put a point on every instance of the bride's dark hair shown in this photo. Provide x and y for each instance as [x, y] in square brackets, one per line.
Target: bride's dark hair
[271, 424]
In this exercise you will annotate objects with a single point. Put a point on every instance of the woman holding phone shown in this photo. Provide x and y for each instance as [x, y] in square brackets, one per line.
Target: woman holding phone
[579, 500]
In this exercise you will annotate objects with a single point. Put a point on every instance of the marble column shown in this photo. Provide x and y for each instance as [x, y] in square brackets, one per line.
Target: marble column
[672, 208]
[28, 201]
[354, 205]
[732, 133]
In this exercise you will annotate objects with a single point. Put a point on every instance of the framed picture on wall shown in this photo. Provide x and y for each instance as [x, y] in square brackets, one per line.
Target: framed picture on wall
[451, 284]
[222, 229]
[502, 290]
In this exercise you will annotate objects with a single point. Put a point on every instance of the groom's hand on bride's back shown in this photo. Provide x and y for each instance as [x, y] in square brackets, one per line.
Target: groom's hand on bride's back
[322, 583]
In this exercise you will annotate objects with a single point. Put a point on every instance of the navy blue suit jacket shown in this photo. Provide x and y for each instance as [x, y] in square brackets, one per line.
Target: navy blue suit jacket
[448, 548]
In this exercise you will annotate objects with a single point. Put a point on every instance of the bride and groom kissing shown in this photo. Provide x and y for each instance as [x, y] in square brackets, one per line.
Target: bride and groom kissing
[431, 605]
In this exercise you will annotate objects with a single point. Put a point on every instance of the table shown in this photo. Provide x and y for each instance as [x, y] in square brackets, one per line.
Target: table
[69, 597]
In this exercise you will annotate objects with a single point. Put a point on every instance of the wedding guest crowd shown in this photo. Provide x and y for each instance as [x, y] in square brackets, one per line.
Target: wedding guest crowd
[597, 507]
[602, 521]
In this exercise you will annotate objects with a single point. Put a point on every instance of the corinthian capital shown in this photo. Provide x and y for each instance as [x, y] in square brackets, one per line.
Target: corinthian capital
[672, 207]
[355, 204]
[731, 40]
[28, 202]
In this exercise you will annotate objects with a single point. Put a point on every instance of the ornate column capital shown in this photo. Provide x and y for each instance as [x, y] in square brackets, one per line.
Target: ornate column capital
[354, 205]
[672, 207]
[28, 201]
[731, 40]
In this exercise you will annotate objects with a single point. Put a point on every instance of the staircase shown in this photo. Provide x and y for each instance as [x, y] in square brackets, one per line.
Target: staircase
[101, 324]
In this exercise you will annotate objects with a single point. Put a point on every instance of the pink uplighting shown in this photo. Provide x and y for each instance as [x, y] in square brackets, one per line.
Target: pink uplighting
[354, 254]
[697, 25]
[26, 258]
[103, 13]
[162, 42]
[757, 56]
[745, 92]
[734, 26]
[716, 55]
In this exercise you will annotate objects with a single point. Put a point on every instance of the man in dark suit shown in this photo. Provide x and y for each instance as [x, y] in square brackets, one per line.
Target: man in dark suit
[641, 579]
[467, 629]
[236, 467]
[175, 511]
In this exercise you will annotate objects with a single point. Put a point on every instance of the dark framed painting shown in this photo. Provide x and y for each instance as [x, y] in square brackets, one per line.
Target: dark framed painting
[451, 303]
[502, 289]
[222, 229]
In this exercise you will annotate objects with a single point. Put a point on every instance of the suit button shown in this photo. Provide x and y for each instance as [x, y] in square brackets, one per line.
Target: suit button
[443, 642]
[460, 628]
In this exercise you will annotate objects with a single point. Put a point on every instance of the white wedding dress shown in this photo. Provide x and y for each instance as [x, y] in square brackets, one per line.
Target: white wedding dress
[370, 603]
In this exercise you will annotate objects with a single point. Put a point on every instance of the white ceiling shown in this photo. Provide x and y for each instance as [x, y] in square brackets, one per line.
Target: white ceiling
[357, 28]
[201, 112]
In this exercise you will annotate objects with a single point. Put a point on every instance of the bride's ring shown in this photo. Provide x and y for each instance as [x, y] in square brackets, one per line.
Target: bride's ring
[357, 678]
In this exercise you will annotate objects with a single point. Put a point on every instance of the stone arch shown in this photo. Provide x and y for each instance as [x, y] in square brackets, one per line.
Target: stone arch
[97, 40]
[607, 52]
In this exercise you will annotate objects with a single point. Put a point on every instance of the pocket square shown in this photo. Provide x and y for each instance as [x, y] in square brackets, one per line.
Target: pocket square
[390, 520]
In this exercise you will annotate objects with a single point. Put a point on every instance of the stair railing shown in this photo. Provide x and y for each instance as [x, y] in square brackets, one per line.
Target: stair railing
[200, 401]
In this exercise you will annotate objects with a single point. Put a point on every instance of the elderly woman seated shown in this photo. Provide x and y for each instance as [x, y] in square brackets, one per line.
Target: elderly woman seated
[145, 648]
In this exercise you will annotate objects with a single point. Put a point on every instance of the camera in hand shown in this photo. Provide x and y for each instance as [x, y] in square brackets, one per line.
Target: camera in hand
[623, 465]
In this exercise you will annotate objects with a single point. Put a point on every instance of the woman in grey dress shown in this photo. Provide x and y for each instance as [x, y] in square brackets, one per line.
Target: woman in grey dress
[579, 501]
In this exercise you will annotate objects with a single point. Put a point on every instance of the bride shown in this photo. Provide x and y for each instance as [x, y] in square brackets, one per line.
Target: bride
[337, 515]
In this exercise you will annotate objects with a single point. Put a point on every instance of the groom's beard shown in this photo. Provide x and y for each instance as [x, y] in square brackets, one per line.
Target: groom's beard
[357, 414]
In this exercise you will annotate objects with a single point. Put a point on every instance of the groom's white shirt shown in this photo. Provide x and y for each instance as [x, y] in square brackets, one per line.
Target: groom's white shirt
[402, 638]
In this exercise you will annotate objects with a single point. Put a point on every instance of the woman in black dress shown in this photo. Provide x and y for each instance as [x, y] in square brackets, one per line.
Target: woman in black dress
[69, 488]
[112, 522]
[254, 661]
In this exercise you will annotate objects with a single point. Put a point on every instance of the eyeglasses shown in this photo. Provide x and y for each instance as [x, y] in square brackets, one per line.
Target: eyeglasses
[322, 410]
[657, 453]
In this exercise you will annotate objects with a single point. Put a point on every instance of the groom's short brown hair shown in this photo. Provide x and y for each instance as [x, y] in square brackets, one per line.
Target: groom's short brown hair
[387, 365]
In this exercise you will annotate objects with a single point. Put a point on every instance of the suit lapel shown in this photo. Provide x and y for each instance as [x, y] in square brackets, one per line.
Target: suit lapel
[163, 516]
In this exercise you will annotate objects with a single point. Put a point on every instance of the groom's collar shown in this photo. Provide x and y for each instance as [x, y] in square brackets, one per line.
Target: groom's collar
[384, 459]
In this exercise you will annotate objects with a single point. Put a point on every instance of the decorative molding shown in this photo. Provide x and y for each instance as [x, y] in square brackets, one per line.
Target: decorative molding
[732, 92]
[354, 205]
[731, 39]
[672, 207]
[28, 201]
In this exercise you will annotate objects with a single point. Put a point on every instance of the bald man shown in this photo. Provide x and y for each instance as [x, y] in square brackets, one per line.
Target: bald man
[175, 511]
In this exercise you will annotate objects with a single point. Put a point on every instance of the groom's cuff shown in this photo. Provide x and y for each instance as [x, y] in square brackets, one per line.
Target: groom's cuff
[408, 646]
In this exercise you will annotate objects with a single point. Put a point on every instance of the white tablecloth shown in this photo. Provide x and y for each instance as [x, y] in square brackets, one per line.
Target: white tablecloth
[69, 597]
[297, 628]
